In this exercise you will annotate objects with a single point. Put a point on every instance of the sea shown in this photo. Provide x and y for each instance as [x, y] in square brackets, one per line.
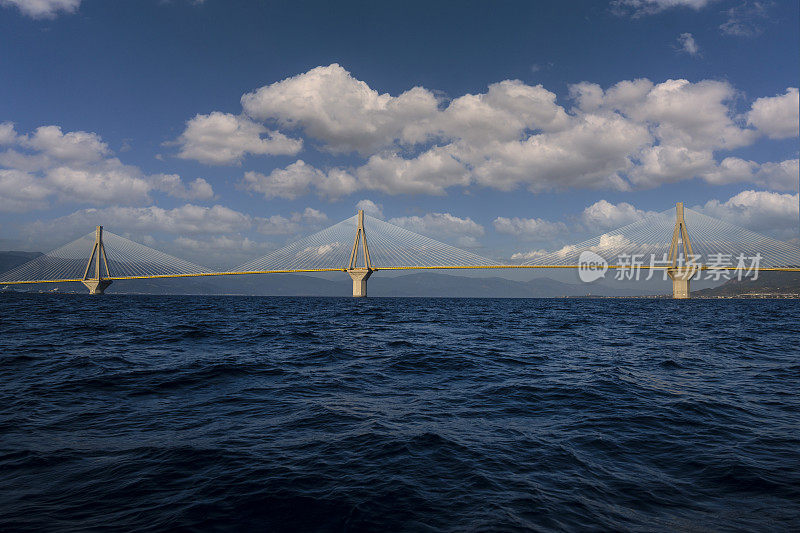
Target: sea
[232, 413]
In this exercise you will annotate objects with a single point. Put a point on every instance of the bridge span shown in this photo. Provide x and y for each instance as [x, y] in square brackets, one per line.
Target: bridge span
[681, 243]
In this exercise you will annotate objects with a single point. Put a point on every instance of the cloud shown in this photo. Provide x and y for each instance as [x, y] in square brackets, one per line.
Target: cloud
[43, 9]
[78, 167]
[371, 208]
[464, 231]
[605, 215]
[606, 243]
[592, 153]
[638, 8]
[528, 256]
[298, 179]
[431, 172]
[185, 220]
[689, 121]
[322, 249]
[746, 19]
[777, 117]
[758, 210]
[687, 44]
[221, 244]
[680, 113]
[217, 250]
[138, 222]
[199, 189]
[330, 105]
[280, 225]
[731, 170]
[224, 139]
[503, 113]
[7, 133]
[529, 228]
[633, 134]
[343, 112]
[668, 164]
[107, 183]
[783, 176]
[19, 191]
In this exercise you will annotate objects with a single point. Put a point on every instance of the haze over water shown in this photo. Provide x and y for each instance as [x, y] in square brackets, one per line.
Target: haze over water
[153, 413]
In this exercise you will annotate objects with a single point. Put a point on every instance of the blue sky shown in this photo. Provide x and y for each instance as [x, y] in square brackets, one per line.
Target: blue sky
[220, 130]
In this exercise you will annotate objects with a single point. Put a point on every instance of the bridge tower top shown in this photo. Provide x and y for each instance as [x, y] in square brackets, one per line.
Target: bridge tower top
[98, 282]
[681, 245]
[363, 250]
[360, 274]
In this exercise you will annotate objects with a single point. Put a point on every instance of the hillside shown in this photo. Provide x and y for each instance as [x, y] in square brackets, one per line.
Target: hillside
[9, 260]
[768, 284]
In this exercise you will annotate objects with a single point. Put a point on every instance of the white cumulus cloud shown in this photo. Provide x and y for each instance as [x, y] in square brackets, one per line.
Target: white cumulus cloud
[604, 215]
[298, 179]
[43, 9]
[463, 231]
[777, 117]
[345, 113]
[78, 167]
[633, 134]
[761, 211]
[431, 172]
[224, 139]
[280, 225]
[687, 44]
[370, 208]
[529, 228]
[783, 176]
[173, 185]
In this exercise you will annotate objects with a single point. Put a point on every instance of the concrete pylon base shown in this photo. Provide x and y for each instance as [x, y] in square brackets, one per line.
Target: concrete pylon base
[360, 277]
[96, 286]
[680, 281]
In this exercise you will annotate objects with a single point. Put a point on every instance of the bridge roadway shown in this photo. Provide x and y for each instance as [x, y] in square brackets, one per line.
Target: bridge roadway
[375, 269]
[360, 266]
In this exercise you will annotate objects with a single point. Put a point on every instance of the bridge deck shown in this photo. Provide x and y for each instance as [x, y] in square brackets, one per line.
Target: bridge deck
[442, 267]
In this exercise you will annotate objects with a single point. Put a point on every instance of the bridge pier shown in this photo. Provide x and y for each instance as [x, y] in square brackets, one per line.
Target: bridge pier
[360, 277]
[680, 281]
[98, 283]
[96, 286]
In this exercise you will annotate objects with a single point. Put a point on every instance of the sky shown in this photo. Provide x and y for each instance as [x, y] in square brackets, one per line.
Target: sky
[218, 131]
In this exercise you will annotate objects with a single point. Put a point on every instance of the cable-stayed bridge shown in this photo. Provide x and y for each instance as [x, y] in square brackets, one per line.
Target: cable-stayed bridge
[680, 241]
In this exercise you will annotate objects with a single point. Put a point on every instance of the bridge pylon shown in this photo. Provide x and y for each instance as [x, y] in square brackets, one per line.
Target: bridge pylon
[98, 283]
[360, 274]
[681, 269]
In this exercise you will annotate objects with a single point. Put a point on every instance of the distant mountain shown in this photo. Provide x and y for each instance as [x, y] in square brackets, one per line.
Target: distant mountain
[445, 285]
[767, 284]
[9, 260]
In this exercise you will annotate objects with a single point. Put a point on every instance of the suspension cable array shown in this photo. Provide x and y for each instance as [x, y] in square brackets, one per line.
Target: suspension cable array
[120, 258]
[390, 248]
[343, 247]
[712, 241]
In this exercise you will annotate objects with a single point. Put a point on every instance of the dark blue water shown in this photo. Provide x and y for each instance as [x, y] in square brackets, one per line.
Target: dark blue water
[303, 414]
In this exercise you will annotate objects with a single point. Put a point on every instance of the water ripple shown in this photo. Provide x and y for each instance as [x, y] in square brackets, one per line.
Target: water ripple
[234, 413]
